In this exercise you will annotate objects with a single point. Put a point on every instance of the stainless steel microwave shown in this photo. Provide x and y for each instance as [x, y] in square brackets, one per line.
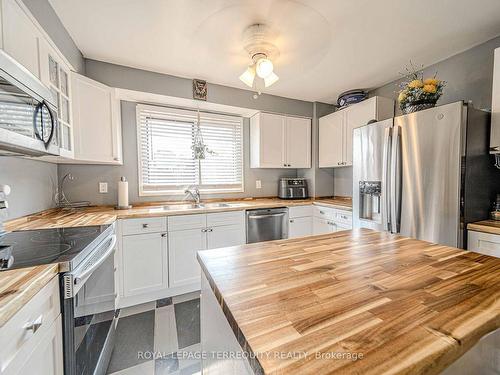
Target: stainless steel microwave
[28, 112]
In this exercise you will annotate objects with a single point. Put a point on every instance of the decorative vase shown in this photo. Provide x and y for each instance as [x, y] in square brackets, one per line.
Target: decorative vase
[418, 106]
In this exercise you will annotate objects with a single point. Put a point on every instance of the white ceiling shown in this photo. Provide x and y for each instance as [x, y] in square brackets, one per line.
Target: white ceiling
[326, 46]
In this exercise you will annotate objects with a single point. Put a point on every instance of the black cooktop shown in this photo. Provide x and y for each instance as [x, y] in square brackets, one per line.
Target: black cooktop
[35, 247]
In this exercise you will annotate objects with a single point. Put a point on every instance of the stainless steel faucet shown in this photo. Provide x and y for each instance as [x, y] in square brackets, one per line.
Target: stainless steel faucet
[194, 193]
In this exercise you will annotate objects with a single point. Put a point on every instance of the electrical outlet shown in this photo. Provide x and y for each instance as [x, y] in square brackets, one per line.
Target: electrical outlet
[103, 187]
[258, 184]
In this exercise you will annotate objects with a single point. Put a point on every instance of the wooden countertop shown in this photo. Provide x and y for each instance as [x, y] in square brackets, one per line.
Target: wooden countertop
[485, 226]
[101, 215]
[407, 306]
[18, 286]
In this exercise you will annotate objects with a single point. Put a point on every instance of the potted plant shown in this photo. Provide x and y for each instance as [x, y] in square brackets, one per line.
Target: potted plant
[417, 93]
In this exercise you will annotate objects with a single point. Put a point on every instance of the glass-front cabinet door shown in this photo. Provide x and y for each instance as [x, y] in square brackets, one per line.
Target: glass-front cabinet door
[55, 74]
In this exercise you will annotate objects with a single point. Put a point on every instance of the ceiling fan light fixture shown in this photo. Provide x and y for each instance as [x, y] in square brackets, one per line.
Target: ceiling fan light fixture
[270, 79]
[264, 67]
[257, 39]
[248, 76]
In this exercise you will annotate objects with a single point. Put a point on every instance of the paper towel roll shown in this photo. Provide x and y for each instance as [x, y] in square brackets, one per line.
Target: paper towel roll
[123, 193]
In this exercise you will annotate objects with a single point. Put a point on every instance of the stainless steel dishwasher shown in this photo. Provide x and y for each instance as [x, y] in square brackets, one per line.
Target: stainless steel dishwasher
[267, 224]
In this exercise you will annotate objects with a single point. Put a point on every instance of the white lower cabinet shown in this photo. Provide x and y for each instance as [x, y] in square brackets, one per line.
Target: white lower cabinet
[484, 243]
[31, 340]
[47, 357]
[328, 220]
[200, 232]
[227, 235]
[300, 227]
[323, 226]
[300, 221]
[157, 256]
[144, 263]
[183, 246]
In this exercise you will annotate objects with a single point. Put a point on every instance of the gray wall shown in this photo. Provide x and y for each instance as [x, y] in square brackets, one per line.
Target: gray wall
[32, 182]
[469, 77]
[141, 80]
[85, 186]
[87, 177]
[50, 22]
[320, 179]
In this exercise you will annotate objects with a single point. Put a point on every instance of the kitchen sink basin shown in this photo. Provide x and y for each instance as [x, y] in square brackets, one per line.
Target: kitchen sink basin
[192, 206]
[216, 205]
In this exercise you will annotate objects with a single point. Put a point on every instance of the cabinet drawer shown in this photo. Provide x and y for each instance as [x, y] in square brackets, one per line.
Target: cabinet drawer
[340, 227]
[324, 212]
[225, 218]
[344, 217]
[300, 211]
[183, 222]
[484, 243]
[145, 225]
[17, 339]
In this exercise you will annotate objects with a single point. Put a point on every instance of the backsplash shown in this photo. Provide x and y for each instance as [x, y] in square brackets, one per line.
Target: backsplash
[32, 182]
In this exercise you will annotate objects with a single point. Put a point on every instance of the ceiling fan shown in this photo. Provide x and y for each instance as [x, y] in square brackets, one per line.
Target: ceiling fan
[262, 53]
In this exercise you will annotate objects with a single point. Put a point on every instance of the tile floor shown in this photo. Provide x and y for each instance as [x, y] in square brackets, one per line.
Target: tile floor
[159, 338]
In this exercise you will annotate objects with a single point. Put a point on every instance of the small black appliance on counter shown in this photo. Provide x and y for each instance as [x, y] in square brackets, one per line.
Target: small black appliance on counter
[293, 188]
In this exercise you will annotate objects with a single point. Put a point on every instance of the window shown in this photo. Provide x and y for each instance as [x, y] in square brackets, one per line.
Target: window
[166, 161]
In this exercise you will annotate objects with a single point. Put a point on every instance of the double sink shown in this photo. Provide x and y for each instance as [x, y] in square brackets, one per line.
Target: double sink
[197, 206]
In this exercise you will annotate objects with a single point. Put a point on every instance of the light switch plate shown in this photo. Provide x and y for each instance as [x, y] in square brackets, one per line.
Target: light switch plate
[258, 184]
[103, 187]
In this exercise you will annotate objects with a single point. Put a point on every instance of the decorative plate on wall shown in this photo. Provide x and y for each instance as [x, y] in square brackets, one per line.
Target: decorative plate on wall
[199, 89]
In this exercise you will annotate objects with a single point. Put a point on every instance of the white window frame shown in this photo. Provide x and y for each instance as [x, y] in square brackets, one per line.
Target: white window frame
[184, 113]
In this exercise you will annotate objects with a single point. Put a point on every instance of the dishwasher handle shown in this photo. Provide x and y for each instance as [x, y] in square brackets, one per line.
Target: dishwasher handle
[263, 216]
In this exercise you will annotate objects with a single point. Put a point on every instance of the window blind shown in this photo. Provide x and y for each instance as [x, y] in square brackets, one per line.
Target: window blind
[166, 159]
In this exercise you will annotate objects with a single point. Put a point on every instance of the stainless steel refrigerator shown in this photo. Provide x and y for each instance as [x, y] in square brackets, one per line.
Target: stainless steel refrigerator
[425, 175]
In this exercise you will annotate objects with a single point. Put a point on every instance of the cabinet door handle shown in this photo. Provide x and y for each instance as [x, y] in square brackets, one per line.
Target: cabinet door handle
[204, 230]
[210, 229]
[145, 226]
[164, 235]
[34, 325]
[291, 220]
[322, 212]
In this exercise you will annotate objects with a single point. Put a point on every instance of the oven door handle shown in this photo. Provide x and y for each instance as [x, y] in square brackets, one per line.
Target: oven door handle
[78, 277]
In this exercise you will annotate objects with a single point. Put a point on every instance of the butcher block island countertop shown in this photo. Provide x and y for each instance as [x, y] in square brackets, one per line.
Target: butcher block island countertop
[406, 306]
[101, 215]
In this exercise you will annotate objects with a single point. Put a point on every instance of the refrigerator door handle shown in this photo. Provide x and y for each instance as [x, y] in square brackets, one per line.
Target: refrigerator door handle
[395, 180]
[386, 170]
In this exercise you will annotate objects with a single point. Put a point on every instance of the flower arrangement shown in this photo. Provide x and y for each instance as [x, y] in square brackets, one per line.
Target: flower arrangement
[417, 93]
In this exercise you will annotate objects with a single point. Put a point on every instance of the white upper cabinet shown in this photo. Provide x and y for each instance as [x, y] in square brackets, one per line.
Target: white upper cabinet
[20, 36]
[335, 129]
[278, 141]
[298, 142]
[331, 140]
[96, 122]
